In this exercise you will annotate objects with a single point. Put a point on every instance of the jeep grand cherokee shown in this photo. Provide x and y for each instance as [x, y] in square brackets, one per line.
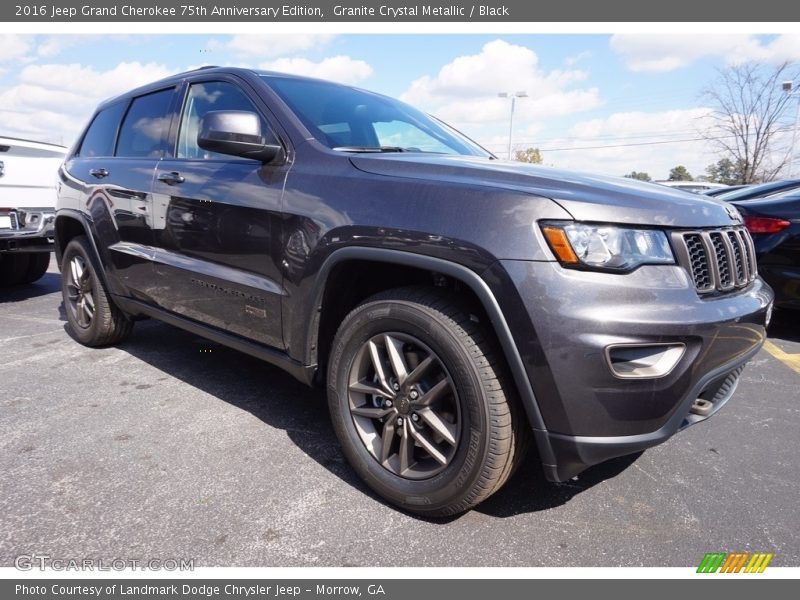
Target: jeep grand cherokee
[454, 305]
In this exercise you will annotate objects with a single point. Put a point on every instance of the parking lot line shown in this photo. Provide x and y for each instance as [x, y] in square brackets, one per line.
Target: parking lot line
[790, 360]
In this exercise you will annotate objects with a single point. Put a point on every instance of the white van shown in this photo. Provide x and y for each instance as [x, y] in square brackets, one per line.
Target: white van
[27, 208]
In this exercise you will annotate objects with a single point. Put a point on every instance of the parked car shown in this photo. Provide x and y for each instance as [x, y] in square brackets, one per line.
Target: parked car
[774, 224]
[453, 305]
[724, 190]
[696, 187]
[27, 208]
[761, 190]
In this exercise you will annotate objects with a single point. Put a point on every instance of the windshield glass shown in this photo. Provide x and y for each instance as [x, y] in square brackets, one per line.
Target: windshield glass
[352, 120]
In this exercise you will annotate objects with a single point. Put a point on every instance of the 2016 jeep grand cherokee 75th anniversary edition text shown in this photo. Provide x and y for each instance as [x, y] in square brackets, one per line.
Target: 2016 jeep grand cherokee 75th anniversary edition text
[454, 305]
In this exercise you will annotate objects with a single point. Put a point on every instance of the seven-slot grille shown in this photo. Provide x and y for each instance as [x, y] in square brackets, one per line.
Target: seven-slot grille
[719, 260]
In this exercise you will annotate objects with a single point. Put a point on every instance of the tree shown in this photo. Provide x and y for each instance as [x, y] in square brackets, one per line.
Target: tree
[680, 173]
[640, 175]
[531, 155]
[725, 171]
[749, 109]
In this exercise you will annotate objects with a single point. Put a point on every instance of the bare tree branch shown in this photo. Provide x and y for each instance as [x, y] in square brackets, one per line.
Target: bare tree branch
[749, 114]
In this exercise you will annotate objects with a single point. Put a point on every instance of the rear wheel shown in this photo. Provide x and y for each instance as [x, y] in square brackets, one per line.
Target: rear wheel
[419, 404]
[13, 268]
[37, 266]
[91, 313]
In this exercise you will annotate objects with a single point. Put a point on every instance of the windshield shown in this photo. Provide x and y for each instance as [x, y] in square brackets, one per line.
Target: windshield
[352, 120]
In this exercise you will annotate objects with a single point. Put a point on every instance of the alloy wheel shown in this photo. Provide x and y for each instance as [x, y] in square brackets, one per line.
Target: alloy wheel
[79, 291]
[404, 405]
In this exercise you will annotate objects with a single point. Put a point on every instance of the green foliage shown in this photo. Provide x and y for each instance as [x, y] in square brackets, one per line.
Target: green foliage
[680, 173]
[531, 155]
[640, 175]
[726, 171]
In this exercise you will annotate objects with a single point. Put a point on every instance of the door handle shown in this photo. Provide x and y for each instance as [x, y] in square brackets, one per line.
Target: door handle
[98, 173]
[171, 178]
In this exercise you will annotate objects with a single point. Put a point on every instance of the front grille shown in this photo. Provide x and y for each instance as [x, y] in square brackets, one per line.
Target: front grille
[719, 260]
[698, 262]
[723, 261]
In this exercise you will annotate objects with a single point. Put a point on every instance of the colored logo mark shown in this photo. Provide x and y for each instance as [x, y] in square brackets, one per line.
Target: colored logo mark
[734, 562]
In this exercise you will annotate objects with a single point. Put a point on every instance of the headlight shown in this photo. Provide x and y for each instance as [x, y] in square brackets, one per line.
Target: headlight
[607, 247]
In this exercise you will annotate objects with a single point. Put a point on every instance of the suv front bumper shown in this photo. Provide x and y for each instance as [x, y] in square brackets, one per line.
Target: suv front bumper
[564, 322]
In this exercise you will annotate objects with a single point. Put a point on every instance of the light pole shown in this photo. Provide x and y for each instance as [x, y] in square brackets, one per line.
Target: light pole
[513, 97]
[793, 90]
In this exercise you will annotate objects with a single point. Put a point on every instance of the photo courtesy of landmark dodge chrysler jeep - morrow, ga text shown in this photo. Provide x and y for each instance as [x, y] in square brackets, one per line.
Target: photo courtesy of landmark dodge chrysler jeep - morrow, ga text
[456, 307]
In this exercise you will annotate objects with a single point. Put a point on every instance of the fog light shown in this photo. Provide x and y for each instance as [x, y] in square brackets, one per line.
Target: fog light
[643, 361]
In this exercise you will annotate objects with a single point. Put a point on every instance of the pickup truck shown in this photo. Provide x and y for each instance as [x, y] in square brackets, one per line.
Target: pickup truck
[27, 208]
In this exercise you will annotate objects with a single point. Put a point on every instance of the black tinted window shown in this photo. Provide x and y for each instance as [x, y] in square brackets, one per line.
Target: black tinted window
[206, 97]
[144, 130]
[99, 138]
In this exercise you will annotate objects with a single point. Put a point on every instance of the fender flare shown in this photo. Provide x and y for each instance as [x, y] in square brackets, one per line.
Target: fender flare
[85, 222]
[487, 299]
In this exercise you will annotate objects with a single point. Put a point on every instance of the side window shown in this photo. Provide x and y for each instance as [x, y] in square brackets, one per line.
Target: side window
[206, 97]
[145, 128]
[99, 138]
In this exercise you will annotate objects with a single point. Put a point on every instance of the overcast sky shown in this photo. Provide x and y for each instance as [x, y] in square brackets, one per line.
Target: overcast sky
[608, 104]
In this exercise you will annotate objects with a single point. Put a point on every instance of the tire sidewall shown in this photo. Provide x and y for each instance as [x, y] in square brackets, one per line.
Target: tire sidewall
[89, 334]
[38, 263]
[456, 481]
[14, 268]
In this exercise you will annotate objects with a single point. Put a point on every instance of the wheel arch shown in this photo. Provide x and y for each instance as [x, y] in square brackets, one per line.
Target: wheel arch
[465, 276]
[70, 224]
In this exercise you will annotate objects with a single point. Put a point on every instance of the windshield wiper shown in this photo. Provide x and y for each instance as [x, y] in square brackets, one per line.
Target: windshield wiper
[370, 149]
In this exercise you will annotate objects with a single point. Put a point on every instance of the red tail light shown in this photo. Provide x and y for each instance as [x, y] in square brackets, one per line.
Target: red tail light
[765, 224]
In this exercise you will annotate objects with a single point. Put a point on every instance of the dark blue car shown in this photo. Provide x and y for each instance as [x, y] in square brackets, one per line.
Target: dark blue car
[774, 224]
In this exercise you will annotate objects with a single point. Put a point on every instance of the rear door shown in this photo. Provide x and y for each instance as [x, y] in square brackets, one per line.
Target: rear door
[217, 223]
[117, 162]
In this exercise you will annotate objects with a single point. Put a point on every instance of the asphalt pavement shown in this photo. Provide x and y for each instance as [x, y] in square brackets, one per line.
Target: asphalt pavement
[170, 447]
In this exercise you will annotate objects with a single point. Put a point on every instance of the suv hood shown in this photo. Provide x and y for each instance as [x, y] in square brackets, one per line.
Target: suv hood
[585, 196]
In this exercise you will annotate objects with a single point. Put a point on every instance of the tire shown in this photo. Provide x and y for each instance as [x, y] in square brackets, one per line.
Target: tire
[13, 268]
[37, 266]
[468, 434]
[92, 316]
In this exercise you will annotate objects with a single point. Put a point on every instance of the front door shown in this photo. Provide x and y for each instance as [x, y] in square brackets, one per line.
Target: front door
[217, 226]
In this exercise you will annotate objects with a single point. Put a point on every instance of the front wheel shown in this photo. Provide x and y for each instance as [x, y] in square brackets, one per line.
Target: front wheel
[419, 404]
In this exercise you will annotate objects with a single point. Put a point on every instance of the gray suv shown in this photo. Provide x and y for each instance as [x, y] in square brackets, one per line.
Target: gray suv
[455, 306]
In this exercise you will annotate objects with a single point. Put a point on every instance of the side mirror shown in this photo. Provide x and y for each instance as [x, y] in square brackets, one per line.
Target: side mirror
[237, 133]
